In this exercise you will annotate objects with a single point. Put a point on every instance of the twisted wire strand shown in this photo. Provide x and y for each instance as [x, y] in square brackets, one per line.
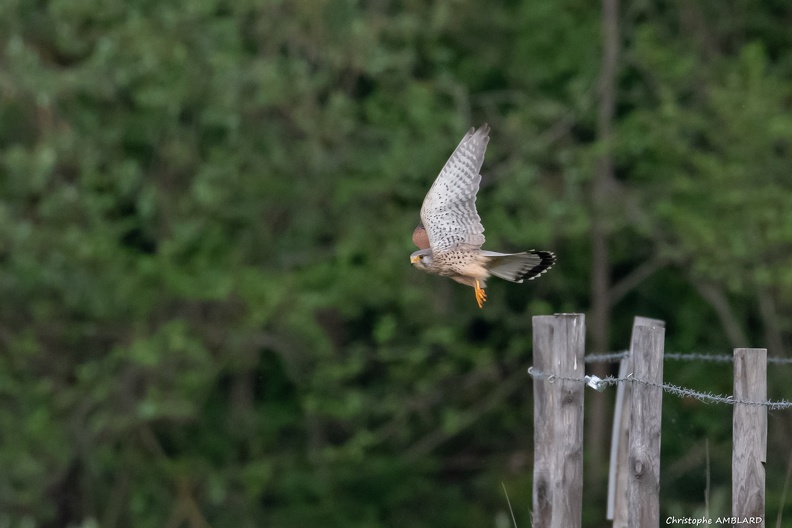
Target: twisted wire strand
[682, 392]
[612, 357]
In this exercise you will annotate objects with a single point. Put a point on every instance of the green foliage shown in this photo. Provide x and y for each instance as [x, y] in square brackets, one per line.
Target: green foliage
[207, 315]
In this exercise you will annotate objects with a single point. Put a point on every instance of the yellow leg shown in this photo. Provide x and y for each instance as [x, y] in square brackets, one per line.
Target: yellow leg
[481, 295]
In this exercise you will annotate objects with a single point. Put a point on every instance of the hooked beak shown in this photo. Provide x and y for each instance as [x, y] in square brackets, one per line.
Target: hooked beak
[415, 259]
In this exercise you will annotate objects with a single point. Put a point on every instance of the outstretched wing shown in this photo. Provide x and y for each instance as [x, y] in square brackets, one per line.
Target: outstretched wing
[449, 209]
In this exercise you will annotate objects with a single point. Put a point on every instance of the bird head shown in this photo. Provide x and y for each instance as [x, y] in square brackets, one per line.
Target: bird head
[422, 258]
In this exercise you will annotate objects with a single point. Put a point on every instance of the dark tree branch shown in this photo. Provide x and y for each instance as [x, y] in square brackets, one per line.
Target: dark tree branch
[716, 297]
[634, 279]
[774, 340]
[437, 437]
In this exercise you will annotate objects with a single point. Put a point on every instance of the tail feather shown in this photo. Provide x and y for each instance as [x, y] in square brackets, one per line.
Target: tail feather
[516, 267]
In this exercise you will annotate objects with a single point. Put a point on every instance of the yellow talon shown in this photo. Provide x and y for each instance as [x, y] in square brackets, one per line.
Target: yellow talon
[481, 295]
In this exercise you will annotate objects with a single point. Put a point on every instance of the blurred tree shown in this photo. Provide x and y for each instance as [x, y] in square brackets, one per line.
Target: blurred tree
[207, 316]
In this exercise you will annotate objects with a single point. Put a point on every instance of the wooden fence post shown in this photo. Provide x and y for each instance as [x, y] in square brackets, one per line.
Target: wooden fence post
[558, 348]
[749, 451]
[617, 470]
[617, 473]
[643, 486]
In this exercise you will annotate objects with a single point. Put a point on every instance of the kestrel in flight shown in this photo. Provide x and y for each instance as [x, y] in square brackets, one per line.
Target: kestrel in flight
[450, 234]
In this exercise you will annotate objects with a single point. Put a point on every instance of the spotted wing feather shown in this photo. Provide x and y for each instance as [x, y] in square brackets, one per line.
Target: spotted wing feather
[449, 209]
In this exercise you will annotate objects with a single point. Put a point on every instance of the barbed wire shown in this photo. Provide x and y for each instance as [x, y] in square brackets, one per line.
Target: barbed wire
[612, 357]
[707, 397]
